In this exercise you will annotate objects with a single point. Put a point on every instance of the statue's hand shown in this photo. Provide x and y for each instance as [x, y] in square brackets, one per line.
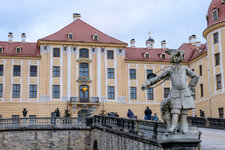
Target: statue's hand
[192, 88]
[144, 86]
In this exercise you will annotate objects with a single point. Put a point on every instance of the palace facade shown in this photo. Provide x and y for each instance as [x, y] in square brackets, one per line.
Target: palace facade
[87, 71]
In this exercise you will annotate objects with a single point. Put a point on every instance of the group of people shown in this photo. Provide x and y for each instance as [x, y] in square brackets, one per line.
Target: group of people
[148, 114]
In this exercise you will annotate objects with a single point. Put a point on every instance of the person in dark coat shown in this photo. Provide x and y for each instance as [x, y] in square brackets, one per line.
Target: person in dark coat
[130, 114]
[148, 114]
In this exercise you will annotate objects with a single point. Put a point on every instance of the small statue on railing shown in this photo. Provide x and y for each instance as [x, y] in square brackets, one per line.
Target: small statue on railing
[57, 112]
[24, 112]
[175, 107]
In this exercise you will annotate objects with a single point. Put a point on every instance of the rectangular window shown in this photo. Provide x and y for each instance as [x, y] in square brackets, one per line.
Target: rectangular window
[56, 71]
[201, 90]
[221, 114]
[215, 15]
[1, 70]
[193, 70]
[111, 92]
[148, 72]
[217, 59]
[33, 71]
[110, 73]
[56, 52]
[132, 73]
[200, 70]
[218, 81]
[166, 92]
[84, 70]
[56, 91]
[33, 91]
[1, 90]
[110, 54]
[150, 94]
[216, 38]
[16, 70]
[133, 93]
[16, 91]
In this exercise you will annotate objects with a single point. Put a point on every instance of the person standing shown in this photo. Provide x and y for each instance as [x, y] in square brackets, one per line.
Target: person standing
[148, 113]
[130, 114]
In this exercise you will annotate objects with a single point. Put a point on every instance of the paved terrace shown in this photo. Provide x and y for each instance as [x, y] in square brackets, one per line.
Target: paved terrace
[212, 139]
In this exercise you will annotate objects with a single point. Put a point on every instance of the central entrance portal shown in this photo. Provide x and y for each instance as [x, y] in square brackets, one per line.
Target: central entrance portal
[84, 94]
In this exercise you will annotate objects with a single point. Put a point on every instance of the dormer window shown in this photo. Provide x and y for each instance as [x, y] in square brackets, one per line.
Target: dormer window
[146, 55]
[18, 50]
[95, 37]
[215, 14]
[70, 36]
[163, 56]
[1, 49]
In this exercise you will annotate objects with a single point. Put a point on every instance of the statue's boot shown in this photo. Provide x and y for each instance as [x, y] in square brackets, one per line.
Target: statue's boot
[174, 123]
[183, 124]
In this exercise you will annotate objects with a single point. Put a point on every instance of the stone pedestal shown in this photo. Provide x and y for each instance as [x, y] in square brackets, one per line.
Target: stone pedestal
[181, 144]
[179, 141]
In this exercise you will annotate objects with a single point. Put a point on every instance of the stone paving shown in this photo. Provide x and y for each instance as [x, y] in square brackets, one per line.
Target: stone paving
[212, 139]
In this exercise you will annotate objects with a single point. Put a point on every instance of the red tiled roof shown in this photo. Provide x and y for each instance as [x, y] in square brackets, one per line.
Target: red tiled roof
[136, 54]
[27, 49]
[191, 51]
[216, 4]
[82, 32]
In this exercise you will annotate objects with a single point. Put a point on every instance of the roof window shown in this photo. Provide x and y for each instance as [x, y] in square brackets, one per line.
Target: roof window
[70, 36]
[1, 49]
[215, 14]
[95, 37]
[18, 50]
[163, 56]
[146, 55]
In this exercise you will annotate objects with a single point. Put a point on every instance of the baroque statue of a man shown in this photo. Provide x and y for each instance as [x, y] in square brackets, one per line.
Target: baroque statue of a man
[174, 108]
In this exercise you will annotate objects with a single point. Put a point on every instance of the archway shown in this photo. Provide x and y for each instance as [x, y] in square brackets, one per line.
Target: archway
[95, 145]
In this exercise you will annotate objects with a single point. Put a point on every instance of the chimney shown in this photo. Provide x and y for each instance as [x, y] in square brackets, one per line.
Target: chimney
[192, 39]
[163, 44]
[10, 37]
[132, 42]
[76, 16]
[23, 37]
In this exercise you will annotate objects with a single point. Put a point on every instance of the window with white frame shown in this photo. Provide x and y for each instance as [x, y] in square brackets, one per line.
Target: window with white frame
[133, 93]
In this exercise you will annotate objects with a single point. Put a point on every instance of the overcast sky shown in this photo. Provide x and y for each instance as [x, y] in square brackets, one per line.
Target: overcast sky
[170, 20]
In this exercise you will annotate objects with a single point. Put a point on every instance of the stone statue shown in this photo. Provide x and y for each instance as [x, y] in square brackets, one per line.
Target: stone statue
[175, 107]
[24, 112]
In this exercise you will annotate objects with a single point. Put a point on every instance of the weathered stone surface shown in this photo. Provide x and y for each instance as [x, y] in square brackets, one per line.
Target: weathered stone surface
[45, 140]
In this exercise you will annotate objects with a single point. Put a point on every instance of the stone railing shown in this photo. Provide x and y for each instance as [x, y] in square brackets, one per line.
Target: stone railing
[216, 123]
[45, 122]
[147, 129]
[82, 100]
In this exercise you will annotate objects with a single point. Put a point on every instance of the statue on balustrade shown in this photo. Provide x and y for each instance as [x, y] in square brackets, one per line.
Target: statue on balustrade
[174, 108]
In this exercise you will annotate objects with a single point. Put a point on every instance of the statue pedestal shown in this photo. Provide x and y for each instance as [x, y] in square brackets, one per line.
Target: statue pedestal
[179, 141]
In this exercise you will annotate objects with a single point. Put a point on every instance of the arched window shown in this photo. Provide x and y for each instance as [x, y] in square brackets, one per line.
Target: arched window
[70, 36]
[84, 70]
[95, 37]
[18, 50]
[84, 53]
